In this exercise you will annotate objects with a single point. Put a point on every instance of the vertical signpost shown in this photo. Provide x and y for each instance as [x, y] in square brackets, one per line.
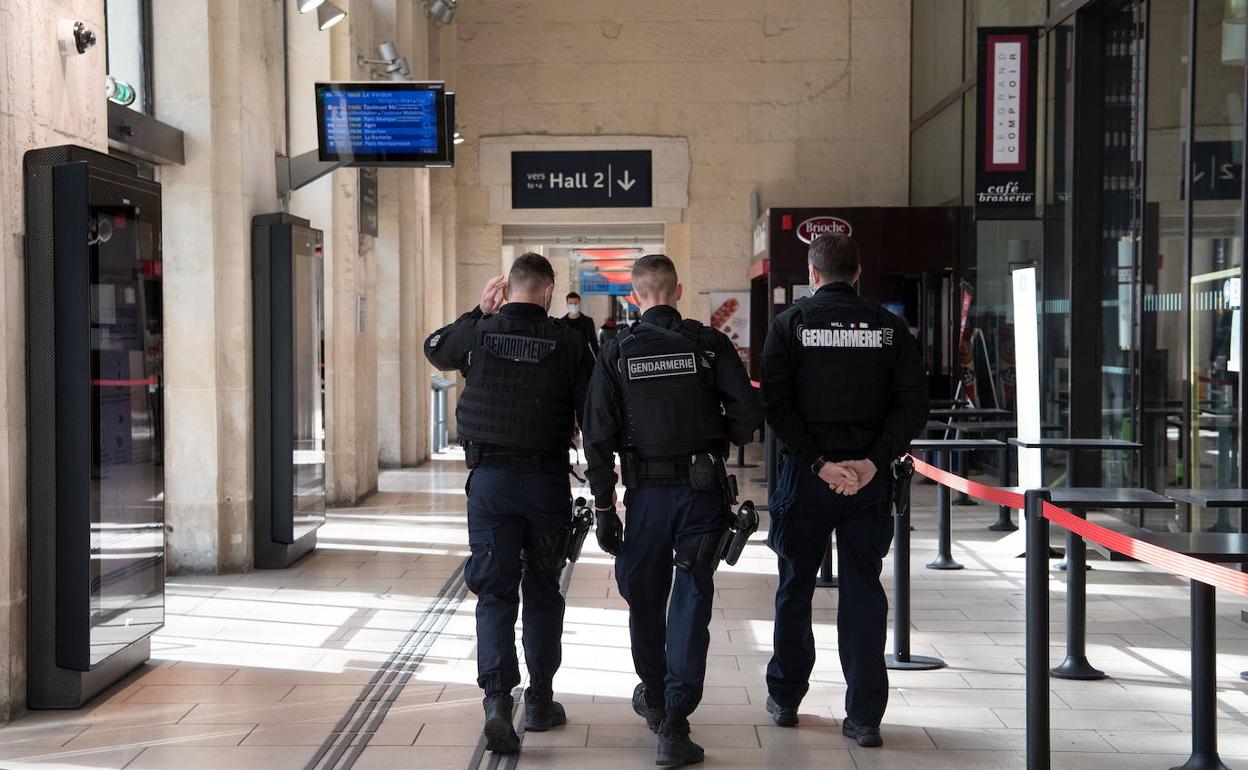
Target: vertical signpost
[1005, 163]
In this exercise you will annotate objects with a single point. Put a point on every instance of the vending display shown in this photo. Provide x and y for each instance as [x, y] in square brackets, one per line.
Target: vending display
[95, 405]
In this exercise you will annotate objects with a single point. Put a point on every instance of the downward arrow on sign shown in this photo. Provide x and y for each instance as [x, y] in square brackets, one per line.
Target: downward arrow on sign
[627, 182]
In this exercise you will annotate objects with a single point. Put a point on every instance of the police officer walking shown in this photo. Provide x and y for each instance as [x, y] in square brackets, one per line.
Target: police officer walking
[526, 375]
[845, 391]
[667, 394]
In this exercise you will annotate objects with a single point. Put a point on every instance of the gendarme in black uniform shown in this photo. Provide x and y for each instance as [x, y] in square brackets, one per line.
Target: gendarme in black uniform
[663, 392]
[526, 375]
[842, 380]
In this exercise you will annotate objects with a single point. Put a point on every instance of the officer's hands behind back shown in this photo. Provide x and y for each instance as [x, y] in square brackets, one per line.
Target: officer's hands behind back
[840, 478]
[848, 477]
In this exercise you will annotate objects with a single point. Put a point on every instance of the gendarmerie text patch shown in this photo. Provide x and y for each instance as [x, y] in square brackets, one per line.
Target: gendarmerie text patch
[670, 365]
[515, 347]
[845, 337]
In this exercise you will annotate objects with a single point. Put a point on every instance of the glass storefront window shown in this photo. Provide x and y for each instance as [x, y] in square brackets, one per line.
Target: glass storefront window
[127, 31]
[1216, 163]
[1122, 63]
[1162, 273]
[1056, 269]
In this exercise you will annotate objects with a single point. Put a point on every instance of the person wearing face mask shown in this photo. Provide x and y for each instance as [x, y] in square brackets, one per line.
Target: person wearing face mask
[526, 375]
[845, 391]
[581, 322]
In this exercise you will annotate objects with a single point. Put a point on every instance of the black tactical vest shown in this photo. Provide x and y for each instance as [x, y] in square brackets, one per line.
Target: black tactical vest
[843, 346]
[670, 402]
[518, 387]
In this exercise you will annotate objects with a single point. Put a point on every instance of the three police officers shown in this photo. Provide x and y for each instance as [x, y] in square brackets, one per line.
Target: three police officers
[845, 391]
[526, 376]
[667, 394]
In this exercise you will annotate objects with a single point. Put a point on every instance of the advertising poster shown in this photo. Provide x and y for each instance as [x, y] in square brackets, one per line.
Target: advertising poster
[730, 314]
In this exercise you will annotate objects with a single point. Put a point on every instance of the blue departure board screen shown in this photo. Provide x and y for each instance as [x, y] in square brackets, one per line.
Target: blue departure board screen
[382, 123]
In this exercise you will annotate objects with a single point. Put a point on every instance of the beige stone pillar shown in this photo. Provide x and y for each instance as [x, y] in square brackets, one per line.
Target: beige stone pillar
[224, 92]
[44, 101]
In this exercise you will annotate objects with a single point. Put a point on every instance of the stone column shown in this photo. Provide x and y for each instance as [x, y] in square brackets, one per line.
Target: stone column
[224, 92]
[45, 100]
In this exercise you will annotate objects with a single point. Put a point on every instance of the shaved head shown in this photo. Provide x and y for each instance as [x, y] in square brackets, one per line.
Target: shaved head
[530, 273]
[654, 278]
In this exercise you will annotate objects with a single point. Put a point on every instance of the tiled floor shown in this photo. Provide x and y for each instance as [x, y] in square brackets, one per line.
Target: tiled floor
[254, 671]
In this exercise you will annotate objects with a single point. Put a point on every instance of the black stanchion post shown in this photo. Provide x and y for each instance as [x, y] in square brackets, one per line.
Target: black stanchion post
[901, 659]
[944, 521]
[1076, 665]
[1204, 682]
[1037, 600]
[962, 465]
[1005, 521]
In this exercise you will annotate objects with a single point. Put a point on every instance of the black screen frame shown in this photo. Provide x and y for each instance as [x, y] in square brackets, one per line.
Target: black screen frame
[77, 188]
[387, 159]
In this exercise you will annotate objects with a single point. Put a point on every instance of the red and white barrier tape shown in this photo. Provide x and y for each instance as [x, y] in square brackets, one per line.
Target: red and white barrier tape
[972, 488]
[1171, 561]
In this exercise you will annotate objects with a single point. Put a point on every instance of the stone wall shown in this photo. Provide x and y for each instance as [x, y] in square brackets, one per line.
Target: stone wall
[44, 100]
[804, 102]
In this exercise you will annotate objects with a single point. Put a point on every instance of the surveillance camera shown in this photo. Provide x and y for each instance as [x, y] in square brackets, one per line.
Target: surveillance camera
[74, 37]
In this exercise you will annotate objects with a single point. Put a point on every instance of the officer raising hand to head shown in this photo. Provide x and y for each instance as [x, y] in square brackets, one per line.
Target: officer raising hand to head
[846, 392]
[526, 375]
[668, 394]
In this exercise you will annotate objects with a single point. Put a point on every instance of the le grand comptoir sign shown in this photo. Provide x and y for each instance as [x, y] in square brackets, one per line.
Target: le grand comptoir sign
[1005, 157]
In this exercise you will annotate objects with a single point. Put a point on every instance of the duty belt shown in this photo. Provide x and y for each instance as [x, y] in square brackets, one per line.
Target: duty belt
[663, 472]
[515, 459]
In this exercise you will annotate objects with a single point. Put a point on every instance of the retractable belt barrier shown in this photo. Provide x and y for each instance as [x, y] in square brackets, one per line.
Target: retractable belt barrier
[1178, 564]
[1205, 576]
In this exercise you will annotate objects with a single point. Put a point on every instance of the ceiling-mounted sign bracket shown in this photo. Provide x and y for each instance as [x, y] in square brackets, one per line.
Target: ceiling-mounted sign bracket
[301, 170]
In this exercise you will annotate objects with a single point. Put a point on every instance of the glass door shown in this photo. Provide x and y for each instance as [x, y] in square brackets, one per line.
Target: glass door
[1215, 167]
[1163, 269]
[1121, 99]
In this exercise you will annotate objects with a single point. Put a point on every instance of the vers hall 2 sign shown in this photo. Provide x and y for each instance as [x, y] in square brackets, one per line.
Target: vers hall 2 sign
[581, 179]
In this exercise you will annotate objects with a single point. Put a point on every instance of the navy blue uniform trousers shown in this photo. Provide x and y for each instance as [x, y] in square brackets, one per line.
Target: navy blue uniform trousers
[506, 510]
[804, 512]
[664, 525]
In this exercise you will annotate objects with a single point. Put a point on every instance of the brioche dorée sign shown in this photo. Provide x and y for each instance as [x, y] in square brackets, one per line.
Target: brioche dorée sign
[814, 227]
[1005, 158]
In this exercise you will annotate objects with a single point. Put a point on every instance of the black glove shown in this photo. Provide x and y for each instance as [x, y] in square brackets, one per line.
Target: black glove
[610, 531]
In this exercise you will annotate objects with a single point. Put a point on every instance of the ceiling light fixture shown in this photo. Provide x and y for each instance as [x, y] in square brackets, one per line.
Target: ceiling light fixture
[328, 14]
[309, 5]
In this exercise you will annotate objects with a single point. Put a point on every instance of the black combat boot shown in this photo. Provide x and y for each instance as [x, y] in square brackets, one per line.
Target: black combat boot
[542, 712]
[867, 736]
[784, 716]
[647, 709]
[500, 736]
[675, 747]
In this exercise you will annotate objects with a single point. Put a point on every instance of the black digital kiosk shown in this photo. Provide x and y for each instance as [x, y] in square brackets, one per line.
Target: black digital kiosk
[94, 355]
[288, 352]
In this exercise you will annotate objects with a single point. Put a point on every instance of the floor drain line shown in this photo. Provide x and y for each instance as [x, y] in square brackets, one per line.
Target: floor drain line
[387, 681]
[509, 761]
